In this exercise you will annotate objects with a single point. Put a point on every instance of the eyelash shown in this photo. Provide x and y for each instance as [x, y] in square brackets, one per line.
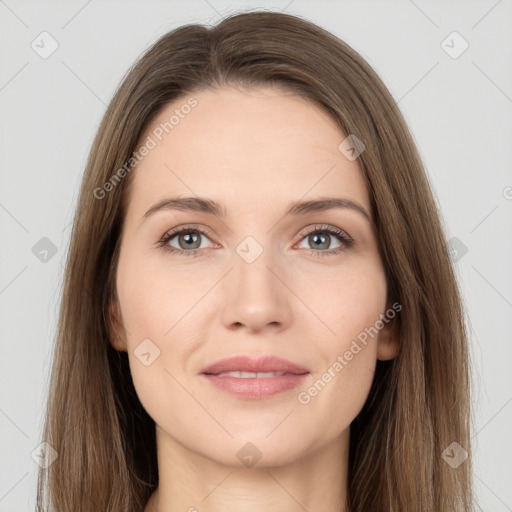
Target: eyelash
[331, 230]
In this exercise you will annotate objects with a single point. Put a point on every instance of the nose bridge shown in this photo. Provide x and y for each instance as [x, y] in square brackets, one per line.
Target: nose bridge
[254, 296]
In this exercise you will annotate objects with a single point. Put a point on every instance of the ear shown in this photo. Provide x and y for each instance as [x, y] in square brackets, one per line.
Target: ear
[117, 336]
[388, 341]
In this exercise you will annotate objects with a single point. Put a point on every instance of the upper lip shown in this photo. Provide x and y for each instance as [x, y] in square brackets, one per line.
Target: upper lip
[249, 364]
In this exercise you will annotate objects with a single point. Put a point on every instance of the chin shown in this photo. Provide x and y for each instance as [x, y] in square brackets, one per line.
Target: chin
[255, 449]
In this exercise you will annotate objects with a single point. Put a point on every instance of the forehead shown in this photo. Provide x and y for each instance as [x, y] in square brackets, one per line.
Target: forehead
[248, 146]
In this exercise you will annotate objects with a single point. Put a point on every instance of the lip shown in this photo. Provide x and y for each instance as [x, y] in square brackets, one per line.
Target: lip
[248, 364]
[257, 387]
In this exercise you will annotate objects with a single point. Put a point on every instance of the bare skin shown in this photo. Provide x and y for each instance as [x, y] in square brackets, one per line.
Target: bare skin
[255, 151]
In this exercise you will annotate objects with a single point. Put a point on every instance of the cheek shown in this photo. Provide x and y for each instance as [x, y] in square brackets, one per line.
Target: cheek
[336, 395]
[153, 297]
[340, 386]
[346, 300]
[350, 304]
[161, 327]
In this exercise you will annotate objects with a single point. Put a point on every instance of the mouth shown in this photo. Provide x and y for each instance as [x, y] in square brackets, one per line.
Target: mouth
[246, 377]
[251, 375]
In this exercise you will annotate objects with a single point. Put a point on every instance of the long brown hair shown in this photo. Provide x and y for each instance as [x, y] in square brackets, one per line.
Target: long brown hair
[419, 403]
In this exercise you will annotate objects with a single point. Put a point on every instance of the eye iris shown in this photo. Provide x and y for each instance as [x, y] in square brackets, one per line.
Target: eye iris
[323, 241]
[189, 237]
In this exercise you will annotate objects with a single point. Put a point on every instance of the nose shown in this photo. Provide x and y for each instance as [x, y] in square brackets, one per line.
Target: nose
[255, 294]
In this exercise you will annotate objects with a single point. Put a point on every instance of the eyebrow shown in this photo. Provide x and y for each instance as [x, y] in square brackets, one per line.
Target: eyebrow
[209, 206]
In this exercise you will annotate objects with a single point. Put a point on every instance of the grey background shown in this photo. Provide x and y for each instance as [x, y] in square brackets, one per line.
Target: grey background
[459, 110]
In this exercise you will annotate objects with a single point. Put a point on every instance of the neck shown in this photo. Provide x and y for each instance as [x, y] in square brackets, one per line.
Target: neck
[190, 482]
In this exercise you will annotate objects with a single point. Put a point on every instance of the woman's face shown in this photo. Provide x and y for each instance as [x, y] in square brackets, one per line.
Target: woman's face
[250, 279]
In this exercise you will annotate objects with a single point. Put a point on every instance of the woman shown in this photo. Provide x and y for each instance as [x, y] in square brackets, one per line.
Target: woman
[259, 309]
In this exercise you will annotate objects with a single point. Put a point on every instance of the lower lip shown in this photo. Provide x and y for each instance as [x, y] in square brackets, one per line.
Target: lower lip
[256, 387]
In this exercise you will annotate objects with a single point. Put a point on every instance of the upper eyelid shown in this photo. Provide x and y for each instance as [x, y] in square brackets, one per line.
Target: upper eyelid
[186, 227]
